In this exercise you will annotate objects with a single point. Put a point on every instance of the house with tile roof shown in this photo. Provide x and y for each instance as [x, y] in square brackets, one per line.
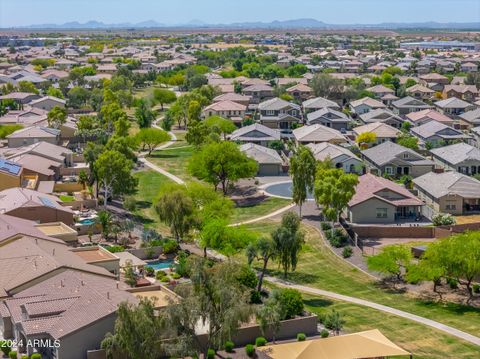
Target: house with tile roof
[340, 157]
[453, 106]
[460, 157]
[279, 114]
[365, 105]
[394, 160]
[380, 201]
[382, 131]
[449, 192]
[438, 134]
[318, 134]
[422, 117]
[318, 103]
[255, 133]
[408, 104]
[269, 161]
[382, 115]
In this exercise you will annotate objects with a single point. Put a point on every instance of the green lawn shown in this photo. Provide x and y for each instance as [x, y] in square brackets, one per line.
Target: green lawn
[149, 184]
[319, 267]
[421, 340]
[180, 139]
[65, 198]
[174, 160]
[270, 205]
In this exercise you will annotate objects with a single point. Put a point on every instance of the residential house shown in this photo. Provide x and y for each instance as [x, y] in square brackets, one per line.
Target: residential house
[32, 205]
[365, 105]
[269, 161]
[469, 67]
[392, 159]
[228, 109]
[30, 135]
[279, 114]
[317, 134]
[330, 118]
[422, 117]
[470, 119]
[29, 116]
[453, 106]
[234, 97]
[449, 192]
[380, 201]
[460, 157]
[318, 103]
[300, 92]
[54, 76]
[255, 133]
[437, 134]
[10, 174]
[382, 131]
[383, 116]
[420, 92]
[43, 149]
[47, 103]
[434, 78]
[340, 157]
[408, 104]
[22, 98]
[258, 93]
[462, 92]
[380, 91]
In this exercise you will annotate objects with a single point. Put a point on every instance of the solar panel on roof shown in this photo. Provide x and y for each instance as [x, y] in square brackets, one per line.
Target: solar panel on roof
[10, 167]
[47, 202]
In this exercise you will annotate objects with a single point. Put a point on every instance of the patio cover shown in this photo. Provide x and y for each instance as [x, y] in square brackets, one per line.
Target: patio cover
[368, 344]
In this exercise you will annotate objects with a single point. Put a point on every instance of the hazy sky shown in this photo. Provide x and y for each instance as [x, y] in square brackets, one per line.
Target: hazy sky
[27, 12]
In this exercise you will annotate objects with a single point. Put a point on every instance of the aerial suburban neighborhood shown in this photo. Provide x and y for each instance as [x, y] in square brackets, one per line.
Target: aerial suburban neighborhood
[261, 190]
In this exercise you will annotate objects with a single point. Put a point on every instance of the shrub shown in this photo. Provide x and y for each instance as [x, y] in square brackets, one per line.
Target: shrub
[443, 219]
[476, 288]
[149, 252]
[165, 279]
[170, 247]
[182, 265]
[229, 345]
[347, 252]
[115, 249]
[247, 277]
[12, 355]
[452, 282]
[176, 276]
[160, 274]
[290, 301]
[149, 271]
[260, 342]
[324, 333]
[210, 354]
[301, 337]
[4, 347]
[250, 350]
[255, 297]
[130, 203]
[36, 356]
[325, 226]
[24, 356]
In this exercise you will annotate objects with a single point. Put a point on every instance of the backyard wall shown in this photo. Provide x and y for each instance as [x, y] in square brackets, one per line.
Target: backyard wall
[142, 254]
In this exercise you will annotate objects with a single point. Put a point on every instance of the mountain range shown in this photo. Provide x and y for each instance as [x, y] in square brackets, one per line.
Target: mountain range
[286, 24]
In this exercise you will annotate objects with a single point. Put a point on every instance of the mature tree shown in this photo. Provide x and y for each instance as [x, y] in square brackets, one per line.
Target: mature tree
[393, 260]
[105, 221]
[408, 141]
[269, 318]
[144, 114]
[175, 207]
[333, 189]
[222, 164]
[220, 125]
[302, 170]
[198, 134]
[151, 138]
[52, 91]
[216, 299]
[263, 250]
[287, 242]
[113, 172]
[324, 85]
[83, 179]
[163, 96]
[366, 139]
[125, 145]
[26, 86]
[56, 117]
[121, 125]
[138, 332]
[78, 97]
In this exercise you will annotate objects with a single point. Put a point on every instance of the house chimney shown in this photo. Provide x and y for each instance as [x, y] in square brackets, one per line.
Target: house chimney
[108, 295]
[83, 283]
[53, 252]
[61, 283]
[118, 283]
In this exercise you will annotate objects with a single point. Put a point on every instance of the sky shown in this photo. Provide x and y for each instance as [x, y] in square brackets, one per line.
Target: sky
[28, 12]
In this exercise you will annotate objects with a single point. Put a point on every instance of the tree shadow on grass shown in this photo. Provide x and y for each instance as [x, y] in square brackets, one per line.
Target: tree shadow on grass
[318, 303]
[454, 308]
[160, 155]
[144, 204]
[297, 277]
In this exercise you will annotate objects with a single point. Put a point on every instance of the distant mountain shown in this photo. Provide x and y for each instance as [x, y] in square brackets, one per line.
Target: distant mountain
[286, 24]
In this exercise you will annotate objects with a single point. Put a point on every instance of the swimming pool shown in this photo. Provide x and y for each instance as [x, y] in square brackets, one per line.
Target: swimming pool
[160, 265]
[284, 190]
[87, 222]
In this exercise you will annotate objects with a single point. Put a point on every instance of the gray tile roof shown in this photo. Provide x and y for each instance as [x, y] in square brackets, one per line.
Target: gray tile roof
[441, 184]
[388, 151]
[457, 153]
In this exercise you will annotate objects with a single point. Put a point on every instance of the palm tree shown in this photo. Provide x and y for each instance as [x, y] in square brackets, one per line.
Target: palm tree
[83, 179]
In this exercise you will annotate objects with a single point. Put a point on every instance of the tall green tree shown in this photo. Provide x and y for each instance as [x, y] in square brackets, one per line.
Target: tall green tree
[394, 260]
[333, 189]
[144, 114]
[56, 117]
[220, 125]
[287, 242]
[175, 207]
[222, 164]
[302, 170]
[151, 138]
[114, 174]
[163, 96]
[263, 250]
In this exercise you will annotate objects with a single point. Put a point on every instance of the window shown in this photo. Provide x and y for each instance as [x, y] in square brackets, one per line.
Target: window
[389, 170]
[452, 207]
[382, 213]
[405, 155]
[270, 112]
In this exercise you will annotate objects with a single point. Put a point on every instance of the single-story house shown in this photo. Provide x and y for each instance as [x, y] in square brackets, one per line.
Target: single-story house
[318, 103]
[317, 134]
[31, 135]
[48, 102]
[392, 159]
[420, 92]
[449, 192]
[454, 106]
[463, 92]
[341, 157]
[378, 200]
[408, 104]
[470, 119]
[330, 118]
[383, 131]
[365, 105]
[269, 161]
[380, 91]
[460, 157]
[382, 115]
[11, 174]
[437, 133]
[255, 133]
[300, 92]
[228, 109]
[421, 117]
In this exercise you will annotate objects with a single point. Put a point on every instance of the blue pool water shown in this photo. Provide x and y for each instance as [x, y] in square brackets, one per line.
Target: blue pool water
[159, 265]
[283, 190]
[87, 221]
